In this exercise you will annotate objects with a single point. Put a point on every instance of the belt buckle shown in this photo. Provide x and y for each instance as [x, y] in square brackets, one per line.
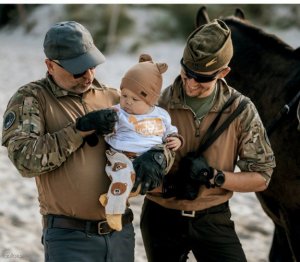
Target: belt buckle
[100, 228]
[188, 213]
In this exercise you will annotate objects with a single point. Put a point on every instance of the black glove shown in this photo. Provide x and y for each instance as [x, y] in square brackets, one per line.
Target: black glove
[193, 172]
[149, 168]
[200, 171]
[103, 121]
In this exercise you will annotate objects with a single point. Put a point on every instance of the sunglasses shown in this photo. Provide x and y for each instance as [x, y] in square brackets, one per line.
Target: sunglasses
[74, 75]
[200, 78]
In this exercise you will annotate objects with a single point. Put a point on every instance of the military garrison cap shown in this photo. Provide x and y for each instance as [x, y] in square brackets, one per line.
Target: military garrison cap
[209, 47]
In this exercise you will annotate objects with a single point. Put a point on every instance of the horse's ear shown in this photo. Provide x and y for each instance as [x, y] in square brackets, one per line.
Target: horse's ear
[201, 17]
[239, 13]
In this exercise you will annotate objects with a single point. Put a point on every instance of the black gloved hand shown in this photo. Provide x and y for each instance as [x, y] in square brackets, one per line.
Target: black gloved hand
[103, 121]
[192, 173]
[201, 171]
[149, 168]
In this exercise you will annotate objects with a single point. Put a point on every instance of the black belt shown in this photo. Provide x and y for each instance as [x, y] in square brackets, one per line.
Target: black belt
[88, 226]
[211, 210]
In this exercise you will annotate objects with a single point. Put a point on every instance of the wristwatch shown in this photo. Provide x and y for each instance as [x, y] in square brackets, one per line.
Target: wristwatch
[219, 178]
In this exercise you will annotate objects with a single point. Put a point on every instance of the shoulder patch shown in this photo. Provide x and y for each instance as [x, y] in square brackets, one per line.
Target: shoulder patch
[9, 120]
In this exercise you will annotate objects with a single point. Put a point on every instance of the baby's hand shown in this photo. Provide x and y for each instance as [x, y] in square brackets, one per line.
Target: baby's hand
[173, 143]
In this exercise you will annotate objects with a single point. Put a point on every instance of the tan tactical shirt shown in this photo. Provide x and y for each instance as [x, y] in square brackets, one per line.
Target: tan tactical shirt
[42, 142]
[244, 143]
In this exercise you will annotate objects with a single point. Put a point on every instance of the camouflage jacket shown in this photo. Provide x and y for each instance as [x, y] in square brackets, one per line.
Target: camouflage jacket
[244, 143]
[42, 142]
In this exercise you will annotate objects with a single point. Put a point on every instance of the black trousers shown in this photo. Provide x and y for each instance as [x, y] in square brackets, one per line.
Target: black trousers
[169, 236]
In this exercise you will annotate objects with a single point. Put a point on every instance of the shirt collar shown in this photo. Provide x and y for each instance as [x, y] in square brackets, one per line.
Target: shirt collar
[222, 95]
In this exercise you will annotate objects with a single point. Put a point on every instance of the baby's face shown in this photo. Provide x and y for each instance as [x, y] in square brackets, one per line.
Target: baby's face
[132, 104]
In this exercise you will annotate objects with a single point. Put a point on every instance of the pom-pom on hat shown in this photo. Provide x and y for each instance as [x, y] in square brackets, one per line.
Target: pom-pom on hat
[145, 79]
[209, 47]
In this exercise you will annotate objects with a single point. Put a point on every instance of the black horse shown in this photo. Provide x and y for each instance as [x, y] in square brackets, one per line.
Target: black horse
[267, 70]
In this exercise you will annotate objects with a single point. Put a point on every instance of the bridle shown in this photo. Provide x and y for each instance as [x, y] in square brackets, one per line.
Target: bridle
[284, 111]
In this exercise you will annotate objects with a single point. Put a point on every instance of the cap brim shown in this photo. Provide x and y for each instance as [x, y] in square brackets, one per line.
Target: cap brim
[78, 65]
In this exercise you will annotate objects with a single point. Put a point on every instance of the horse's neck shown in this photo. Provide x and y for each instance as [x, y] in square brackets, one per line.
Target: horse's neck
[264, 77]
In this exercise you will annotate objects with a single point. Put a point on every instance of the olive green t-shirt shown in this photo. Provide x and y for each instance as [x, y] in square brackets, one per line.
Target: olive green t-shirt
[201, 105]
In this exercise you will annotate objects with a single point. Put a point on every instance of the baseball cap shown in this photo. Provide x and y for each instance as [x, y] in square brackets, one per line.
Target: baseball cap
[72, 45]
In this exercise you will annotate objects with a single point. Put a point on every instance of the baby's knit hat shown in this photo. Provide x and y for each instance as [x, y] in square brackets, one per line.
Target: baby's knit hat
[145, 79]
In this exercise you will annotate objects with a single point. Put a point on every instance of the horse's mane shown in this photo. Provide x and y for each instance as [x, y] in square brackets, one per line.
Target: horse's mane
[269, 41]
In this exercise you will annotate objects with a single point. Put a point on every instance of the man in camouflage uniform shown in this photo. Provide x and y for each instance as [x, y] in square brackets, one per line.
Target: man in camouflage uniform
[52, 129]
[196, 216]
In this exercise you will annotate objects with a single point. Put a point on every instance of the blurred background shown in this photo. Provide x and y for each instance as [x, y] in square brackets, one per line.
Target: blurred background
[146, 23]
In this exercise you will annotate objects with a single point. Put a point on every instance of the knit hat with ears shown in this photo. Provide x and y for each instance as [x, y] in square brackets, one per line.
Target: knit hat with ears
[144, 79]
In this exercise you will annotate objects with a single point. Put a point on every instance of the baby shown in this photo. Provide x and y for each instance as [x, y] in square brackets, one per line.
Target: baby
[141, 126]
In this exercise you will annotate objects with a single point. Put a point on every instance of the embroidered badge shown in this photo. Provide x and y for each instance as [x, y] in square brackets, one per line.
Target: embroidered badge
[211, 62]
[9, 120]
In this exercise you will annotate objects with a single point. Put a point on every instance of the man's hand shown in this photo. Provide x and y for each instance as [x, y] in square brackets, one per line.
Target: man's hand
[192, 173]
[200, 171]
[102, 121]
[149, 168]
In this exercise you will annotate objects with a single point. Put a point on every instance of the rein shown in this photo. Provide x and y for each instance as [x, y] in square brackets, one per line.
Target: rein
[284, 111]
